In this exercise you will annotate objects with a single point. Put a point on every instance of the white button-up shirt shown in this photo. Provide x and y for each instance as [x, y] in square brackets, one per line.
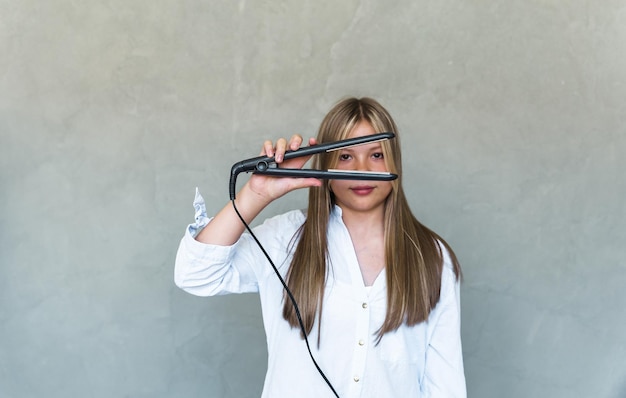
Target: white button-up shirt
[424, 360]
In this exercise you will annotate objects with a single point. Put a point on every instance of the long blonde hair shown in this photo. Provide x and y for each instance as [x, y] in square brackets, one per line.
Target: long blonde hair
[413, 255]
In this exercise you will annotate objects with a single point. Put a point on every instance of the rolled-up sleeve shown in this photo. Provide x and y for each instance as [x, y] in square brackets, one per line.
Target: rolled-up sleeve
[209, 270]
[444, 373]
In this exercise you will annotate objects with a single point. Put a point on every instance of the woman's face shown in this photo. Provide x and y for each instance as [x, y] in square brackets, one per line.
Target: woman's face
[361, 196]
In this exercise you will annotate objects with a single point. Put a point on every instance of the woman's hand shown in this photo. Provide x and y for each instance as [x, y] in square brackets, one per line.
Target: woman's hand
[268, 188]
[226, 228]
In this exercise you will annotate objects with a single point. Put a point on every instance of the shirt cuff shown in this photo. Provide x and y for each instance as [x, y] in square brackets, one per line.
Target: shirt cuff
[201, 219]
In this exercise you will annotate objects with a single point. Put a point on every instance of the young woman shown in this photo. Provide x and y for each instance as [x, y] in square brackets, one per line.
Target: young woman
[378, 292]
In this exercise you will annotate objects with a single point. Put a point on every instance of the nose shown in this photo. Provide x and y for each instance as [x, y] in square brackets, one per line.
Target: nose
[362, 164]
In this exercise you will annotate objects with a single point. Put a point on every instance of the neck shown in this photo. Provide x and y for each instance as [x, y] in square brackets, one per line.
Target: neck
[363, 222]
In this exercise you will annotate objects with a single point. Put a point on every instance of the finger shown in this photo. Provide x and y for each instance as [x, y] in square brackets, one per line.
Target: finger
[281, 146]
[295, 142]
[268, 148]
[307, 182]
[300, 161]
[298, 183]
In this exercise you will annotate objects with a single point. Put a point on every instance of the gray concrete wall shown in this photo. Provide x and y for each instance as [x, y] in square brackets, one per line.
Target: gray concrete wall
[513, 117]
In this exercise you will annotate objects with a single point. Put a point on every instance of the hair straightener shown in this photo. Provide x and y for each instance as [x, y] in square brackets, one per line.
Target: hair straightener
[267, 165]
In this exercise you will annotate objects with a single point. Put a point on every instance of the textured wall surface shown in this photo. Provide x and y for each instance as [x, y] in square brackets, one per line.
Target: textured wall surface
[513, 120]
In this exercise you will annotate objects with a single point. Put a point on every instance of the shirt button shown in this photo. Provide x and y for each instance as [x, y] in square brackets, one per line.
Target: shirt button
[361, 342]
[356, 379]
[364, 305]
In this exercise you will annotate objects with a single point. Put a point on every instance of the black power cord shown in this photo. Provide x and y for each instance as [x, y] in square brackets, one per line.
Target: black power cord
[291, 298]
[267, 165]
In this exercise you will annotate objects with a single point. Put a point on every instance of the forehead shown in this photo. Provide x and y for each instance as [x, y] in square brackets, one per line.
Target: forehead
[362, 128]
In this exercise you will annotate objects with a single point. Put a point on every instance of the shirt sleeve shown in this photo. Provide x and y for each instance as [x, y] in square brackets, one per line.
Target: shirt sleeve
[444, 375]
[209, 270]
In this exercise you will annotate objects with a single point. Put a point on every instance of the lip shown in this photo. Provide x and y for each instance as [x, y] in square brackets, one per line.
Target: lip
[362, 189]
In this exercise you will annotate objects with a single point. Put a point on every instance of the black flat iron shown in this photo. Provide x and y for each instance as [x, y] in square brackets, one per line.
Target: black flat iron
[267, 165]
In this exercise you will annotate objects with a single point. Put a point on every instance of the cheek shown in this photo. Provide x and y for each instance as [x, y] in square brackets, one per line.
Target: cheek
[388, 188]
[335, 185]
[382, 166]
